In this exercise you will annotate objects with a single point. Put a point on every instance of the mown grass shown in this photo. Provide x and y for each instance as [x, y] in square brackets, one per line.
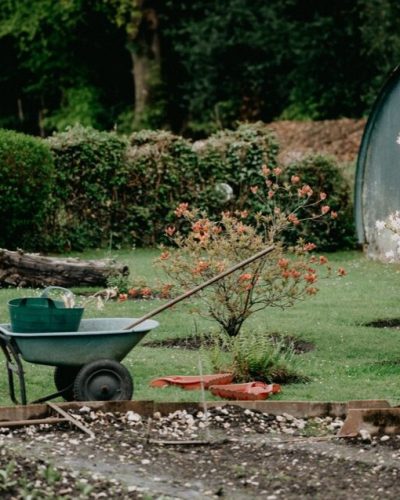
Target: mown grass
[350, 360]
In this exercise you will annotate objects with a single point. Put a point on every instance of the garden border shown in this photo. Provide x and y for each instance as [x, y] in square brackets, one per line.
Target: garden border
[299, 409]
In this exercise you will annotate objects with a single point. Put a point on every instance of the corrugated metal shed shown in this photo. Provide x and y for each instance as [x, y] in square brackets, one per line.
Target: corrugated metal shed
[377, 189]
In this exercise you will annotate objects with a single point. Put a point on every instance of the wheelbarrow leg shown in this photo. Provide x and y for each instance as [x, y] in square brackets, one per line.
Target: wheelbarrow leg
[13, 365]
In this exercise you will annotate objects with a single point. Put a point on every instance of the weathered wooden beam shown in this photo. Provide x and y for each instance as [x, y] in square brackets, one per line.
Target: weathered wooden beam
[18, 268]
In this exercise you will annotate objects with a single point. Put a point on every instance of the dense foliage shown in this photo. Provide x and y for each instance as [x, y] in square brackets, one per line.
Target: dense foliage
[110, 191]
[198, 65]
[337, 230]
[26, 178]
[88, 175]
[115, 192]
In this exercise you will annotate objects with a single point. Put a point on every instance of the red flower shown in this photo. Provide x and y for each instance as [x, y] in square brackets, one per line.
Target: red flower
[308, 247]
[325, 209]
[334, 215]
[295, 179]
[311, 290]
[341, 271]
[181, 209]
[170, 231]
[277, 171]
[283, 263]
[201, 267]
[305, 191]
[165, 255]
[293, 218]
[323, 260]
[122, 297]
[146, 292]
[245, 277]
[322, 196]
[310, 278]
[133, 292]
[241, 228]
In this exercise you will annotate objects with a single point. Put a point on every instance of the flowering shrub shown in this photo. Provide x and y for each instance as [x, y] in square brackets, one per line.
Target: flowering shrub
[207, 247]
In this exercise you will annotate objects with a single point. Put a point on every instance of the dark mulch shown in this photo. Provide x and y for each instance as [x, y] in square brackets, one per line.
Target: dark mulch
[197, 341]
[384, 323]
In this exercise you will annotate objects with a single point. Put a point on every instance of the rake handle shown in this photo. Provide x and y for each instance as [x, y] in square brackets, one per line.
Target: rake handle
[200, 287]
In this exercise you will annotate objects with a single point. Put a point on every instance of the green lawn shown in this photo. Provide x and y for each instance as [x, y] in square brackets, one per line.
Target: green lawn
[350, 361]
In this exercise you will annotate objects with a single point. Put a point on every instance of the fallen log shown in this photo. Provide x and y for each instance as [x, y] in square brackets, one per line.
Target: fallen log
[18, 268]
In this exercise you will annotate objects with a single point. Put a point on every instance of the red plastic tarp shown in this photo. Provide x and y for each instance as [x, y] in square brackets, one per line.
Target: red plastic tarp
[248, 391]
[191, 382]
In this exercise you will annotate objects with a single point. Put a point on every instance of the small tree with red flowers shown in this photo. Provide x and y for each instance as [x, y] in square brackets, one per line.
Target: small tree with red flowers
[207, 247]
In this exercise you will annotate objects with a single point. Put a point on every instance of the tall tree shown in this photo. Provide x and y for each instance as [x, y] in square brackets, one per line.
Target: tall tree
[139, 19]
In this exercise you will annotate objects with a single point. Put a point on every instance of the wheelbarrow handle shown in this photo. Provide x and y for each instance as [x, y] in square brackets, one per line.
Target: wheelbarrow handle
[200, 287]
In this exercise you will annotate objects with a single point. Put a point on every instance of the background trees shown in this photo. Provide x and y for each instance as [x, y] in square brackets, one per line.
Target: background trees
[193, 66]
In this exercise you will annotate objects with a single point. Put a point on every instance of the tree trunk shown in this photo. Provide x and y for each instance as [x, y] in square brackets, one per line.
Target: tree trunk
[34, 270]
[145, 53]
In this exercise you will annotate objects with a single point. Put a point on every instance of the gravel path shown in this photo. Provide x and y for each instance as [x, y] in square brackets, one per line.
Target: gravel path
[226, 452]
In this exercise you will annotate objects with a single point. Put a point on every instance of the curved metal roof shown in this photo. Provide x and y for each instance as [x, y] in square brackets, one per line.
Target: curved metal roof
[377, 185]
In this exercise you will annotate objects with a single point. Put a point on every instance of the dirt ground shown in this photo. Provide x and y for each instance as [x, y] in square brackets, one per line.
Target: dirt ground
[339, 138]
[226, 452]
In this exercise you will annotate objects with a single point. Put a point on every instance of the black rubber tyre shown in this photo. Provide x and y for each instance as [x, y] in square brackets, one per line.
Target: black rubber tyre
[64, 376]
[103, 380]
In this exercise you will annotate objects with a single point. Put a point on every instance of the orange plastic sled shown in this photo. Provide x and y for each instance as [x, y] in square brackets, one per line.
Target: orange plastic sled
[249, 392]
[193, 381]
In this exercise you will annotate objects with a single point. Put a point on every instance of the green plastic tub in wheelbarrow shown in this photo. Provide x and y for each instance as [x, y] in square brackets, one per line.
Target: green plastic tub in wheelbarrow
[43, 314]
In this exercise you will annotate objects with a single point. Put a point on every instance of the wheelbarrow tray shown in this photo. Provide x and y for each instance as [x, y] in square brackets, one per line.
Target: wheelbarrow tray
[96, 339]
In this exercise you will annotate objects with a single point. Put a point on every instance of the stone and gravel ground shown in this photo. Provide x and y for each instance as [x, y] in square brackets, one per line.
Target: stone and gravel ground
[223, 452]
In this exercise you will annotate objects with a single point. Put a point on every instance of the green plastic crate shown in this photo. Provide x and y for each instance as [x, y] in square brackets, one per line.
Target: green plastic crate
[42, 314]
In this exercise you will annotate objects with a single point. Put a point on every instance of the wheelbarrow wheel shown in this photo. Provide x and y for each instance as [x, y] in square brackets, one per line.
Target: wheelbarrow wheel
[64, 377]
[103, 380]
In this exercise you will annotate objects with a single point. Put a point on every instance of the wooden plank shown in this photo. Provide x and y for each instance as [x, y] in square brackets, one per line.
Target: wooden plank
[33, 421]
[71, 419]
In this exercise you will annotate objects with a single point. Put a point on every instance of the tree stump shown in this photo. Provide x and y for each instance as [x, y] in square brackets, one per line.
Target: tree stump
[18, 268]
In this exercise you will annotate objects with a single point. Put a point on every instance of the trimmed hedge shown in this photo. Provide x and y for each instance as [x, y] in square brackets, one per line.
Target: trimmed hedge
[88, 177]
[329, 233]
[113, 191]
[162, 171]
[235, 157]
[26, 180]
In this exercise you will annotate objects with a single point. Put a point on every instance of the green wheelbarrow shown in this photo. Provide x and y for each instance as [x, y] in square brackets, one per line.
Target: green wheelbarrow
[87, 361]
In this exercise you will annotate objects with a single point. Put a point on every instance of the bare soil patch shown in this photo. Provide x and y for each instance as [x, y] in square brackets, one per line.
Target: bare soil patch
[196, 342]
[339, 138]
[226, 452]
[384, 323]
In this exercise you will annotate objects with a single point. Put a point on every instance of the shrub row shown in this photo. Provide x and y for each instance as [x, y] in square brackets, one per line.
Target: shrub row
[105, 190]
[26, 182]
